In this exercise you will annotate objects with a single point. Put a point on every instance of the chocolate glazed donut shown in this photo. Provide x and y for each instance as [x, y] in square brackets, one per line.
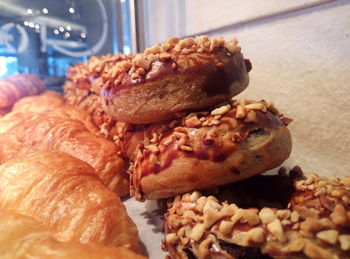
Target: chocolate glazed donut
[208, 149]
[276, 216]
[178, 75]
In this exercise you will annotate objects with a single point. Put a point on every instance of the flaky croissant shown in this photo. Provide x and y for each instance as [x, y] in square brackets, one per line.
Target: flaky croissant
[17, 86]
[24, 237]
[34, 126]
[64, 195]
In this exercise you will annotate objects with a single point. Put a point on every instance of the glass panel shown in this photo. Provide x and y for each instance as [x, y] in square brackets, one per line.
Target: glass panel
[46, 37]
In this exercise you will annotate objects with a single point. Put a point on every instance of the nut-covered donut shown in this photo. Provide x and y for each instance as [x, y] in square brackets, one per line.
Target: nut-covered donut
[207, 149]
[82, 75]
[315, 222]
[178, 75]
[82, 90]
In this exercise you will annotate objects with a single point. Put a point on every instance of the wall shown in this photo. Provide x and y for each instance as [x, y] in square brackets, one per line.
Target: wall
[301, 61]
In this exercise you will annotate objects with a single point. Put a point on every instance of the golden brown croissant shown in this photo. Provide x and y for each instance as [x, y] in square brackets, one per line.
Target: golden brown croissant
[17, 86]
[24, 237]
[64, 195]
[32, 128]
[43, 102]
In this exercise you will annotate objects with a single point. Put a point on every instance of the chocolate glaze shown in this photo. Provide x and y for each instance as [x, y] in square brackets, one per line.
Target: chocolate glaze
[215, 150]
[216, 80]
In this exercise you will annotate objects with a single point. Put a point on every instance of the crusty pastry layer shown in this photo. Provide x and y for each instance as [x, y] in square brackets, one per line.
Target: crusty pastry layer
[46, 123]
[178, 75]
[206, 149]
[15, 87]
[64, 194]
[24, 237]
[288, 218]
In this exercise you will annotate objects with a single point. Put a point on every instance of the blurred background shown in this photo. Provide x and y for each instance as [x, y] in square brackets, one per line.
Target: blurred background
[300, 51]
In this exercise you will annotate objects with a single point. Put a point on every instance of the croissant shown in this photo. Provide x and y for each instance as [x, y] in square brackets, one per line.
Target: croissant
[24, 237]
[65, 196]
[48, 100]
[32, 127]
[17, 86]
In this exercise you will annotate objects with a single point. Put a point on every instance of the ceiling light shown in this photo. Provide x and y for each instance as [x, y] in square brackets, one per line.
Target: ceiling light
[29, 11]
[31, 25]
[55, 31]
[67, 34]
[68, 27]
[83, 35]
[45, 10]
[61, 29]
[26, 23]
[71, 10]
[37, 26]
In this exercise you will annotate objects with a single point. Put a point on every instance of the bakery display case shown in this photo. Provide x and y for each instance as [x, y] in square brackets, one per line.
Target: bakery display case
[174, 129]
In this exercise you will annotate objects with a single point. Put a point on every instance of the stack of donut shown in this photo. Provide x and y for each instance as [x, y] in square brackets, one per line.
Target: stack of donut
[171, 111]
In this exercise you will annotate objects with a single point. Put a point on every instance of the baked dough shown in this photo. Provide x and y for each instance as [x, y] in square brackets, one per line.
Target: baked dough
[274, 217]
[24, 237]
[64, 194]
[35, 126]
[15, 87]
[206, 149]
[178, 75]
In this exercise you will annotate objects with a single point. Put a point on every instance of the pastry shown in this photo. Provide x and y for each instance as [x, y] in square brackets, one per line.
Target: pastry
[82, 90]
[4, 111]
[46, 101]
[178, 75]
[64, 194]
[207, 149]
[310, 220]
[34, 126]
[15, 87]
[24, 237]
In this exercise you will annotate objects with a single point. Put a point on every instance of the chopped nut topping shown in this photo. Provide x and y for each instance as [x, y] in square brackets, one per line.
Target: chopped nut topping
[283, 214]
[171, 238]
[193, 122]
[329, 236]
[179, 135]
[297, 245]
[276, 229]
[167, 141]
[241, 112]
[195, 196]
[294, 217]
[267, 215]
[256, 235]
[344, 242]
[225, 227]
[197, 232]
[200, 203]
[222, 110]
[186, 148]
[256, 106]
[251, 216]
[250, 117]
[154, 138]
[339, 215]
[203, 248]
[152, 148]
[314, 251]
